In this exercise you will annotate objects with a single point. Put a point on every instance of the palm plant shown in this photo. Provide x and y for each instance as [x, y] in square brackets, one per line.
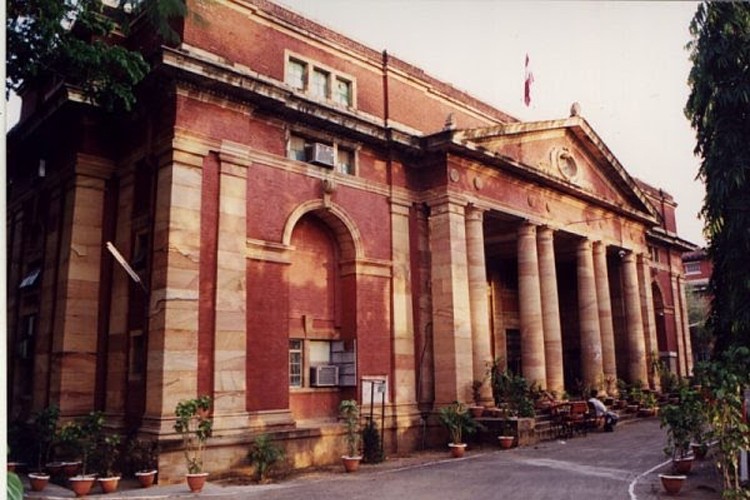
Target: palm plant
[457, 419]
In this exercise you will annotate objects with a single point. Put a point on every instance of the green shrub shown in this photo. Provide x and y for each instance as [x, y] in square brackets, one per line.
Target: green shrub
[372, 448]
[263, 456]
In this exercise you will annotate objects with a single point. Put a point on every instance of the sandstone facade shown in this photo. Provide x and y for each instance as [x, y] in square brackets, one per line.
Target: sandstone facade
[308, 215]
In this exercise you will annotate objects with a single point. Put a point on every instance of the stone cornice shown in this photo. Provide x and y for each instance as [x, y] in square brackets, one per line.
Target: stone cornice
[446, 142]
[588, 138]
[661, 236]
[267, 95]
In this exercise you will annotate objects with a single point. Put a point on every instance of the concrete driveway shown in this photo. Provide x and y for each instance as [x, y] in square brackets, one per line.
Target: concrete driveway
[620, 465]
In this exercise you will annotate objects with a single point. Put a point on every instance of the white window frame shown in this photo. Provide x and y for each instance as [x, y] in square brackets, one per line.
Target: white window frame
[333, 76]
[309, 139]
[692, 268]
[301, 352]
[338, 355]
[290, 61]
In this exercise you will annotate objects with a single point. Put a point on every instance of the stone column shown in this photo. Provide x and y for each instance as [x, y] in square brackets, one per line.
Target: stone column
[649, 318]
[173, 310]
[678, 327]
[685, 325]
[74, 340]
[634, 321]
[450, 303]
[404, 385]
[533, 362]
[480, 320]
[588, 316]
[230, 340]
[604, 304]
[553, 352]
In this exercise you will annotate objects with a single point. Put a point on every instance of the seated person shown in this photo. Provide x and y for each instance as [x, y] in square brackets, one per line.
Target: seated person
[610, 417]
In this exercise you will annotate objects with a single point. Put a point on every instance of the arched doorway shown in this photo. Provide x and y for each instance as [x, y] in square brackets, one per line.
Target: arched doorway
[321, 335]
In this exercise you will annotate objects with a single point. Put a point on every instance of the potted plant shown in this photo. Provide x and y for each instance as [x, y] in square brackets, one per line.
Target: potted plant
[682, 422]
[14, 488]
[143, 457]
[459, 422]
[195, 426]
[349, 412]
[44, 432]
[263, 456]
[107, 454]
[647, 406]
[477, 409]
[672, 483]
[84, 437]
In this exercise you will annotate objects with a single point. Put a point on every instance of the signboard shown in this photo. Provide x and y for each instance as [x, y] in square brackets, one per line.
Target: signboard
[374, 390]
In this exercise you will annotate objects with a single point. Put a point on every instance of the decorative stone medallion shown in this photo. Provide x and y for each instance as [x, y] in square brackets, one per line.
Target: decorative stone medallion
[454, 175]
[566, 164]
[478, 183]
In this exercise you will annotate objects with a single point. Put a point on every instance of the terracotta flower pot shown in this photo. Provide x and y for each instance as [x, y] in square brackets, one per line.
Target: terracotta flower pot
[81, 485]
[476, 411]
[672, 483]
[457, 450]
[71, 469]
[55, 468]
[14, 466]
[351, 464]
[146, 478]
[683, 465]
[506, 442]
[699, 450]
[196, 481]
[646, 412]
[109, 484]
[38, 481]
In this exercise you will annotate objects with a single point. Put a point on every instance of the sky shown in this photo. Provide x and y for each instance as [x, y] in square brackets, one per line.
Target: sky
[625, 63]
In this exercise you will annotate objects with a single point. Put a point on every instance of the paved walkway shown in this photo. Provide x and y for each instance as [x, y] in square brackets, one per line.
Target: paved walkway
[624, 464]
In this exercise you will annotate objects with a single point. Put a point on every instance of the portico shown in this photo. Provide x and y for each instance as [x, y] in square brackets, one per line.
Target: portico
[532, 252]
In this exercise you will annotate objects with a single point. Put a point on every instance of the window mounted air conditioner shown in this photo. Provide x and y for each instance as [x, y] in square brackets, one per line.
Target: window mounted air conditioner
[324, 376]
[322, 154]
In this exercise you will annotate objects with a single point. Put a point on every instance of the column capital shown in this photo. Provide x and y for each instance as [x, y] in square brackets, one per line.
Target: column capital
[527, 228]
[474, 212]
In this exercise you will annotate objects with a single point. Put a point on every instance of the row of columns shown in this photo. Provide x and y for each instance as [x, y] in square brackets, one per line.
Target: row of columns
[541, 340]
[457, 241]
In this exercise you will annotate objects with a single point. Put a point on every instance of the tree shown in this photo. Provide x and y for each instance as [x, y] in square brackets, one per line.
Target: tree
[719, 110]
[75, 41]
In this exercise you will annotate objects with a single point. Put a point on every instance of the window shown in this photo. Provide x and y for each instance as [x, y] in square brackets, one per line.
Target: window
[692, 267]
[323, 153]
[653, 253]
[320, 83]
[315, 356]
[140, 251]
[26, 341]
[342, 92]
[297, 148]
[345, 161]
[295, 363]
[296, 74]
[137, 361]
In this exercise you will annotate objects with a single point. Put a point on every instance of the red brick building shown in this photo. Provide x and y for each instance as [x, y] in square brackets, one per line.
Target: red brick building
[305, 215]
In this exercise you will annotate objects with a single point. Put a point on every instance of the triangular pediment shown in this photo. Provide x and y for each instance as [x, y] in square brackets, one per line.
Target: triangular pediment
[566, 152]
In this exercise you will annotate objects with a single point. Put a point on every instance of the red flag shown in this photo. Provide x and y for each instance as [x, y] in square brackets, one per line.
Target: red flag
[527, 81]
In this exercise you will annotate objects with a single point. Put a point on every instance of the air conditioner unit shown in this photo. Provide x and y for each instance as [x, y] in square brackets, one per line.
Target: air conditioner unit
[324, 376]
[321, 154]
